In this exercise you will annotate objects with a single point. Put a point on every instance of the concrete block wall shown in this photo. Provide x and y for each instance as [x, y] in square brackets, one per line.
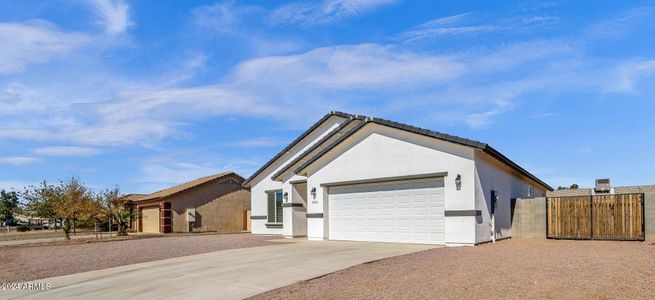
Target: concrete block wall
[649, 214]
[529, 219]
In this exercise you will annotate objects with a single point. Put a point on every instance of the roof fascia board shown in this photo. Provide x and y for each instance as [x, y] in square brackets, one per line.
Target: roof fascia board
[502, 158]
[429, 133]
[294, 143]
[277, 175]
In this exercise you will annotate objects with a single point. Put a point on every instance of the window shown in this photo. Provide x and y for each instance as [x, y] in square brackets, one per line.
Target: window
[275, 207]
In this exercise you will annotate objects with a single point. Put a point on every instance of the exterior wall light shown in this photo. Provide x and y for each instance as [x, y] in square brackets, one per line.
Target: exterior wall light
[458, 182]
[313, 193]
[286, 197]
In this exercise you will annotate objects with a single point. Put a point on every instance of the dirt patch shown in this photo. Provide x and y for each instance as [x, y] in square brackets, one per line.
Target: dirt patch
[41, 234]
[508, 269]
[30, 263]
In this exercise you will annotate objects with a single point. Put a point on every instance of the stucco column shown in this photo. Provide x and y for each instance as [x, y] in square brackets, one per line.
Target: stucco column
[287, 223]
[294, 210]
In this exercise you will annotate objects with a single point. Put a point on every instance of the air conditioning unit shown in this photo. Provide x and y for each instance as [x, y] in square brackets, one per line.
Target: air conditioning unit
[603, 185]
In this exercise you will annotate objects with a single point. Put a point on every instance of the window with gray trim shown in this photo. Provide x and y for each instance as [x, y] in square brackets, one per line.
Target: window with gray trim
[275, 207]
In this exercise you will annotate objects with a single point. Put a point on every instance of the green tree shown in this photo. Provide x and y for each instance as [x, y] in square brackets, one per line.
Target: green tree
[574, 186]
[117, 209]
[41, 200]
[97, 211]
[74, 203]
[9, 205]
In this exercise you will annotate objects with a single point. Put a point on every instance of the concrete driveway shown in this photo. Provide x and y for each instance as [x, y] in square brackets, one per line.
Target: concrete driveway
[229, 274]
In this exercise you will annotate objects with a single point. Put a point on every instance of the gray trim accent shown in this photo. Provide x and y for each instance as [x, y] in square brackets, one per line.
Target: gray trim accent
[296, 141]
[315, 216]
[273, 225]
[316, 145]
[292, 205]
[258, 217]
[329, 147]
[298, 181]
[462, 213]
[386, 179]
[272, 191]
[429, 133]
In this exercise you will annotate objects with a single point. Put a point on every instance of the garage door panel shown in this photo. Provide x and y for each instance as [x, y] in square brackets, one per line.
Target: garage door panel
[150, 219]
[410, 212]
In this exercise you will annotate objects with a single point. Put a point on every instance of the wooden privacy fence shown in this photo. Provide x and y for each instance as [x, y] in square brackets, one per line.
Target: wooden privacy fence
[599, 217]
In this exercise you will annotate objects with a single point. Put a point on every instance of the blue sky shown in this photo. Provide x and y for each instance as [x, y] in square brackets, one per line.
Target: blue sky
[146, 94]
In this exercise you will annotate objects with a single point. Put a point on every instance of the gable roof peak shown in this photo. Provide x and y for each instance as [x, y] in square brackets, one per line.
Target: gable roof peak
[296, 141]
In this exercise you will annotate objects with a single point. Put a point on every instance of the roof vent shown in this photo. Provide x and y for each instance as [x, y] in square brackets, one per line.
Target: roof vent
[603, 185]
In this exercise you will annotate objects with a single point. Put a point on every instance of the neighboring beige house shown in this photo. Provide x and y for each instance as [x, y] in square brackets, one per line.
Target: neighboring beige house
[213, 203]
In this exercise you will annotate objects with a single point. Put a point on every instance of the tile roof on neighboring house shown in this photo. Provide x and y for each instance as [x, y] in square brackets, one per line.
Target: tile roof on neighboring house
[188, 185]
[430, 133]
[25, 218]
[134, 197]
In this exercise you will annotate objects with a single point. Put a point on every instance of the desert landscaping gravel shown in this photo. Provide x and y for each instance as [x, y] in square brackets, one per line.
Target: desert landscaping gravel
[513, 269]
[34, 262]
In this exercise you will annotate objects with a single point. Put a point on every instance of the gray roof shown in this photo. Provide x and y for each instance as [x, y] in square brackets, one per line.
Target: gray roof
[296, 141]
[430, 133]
[328, 137]
[368, 120]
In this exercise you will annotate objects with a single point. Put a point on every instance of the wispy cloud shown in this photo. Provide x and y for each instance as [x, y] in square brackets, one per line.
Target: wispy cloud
[259, 142]
[631, 73]
[34, 41]
[225, 17]
[175, 173]
[66, 151]
[446, 26]
[468, 24]
[164, 172]
[18, 160]
[350, 66]
[475, 86]
[622, 24]
[245, 24]
[482, 119]
[343, 77]
[324, 12]
[114, 15]
[14, 185]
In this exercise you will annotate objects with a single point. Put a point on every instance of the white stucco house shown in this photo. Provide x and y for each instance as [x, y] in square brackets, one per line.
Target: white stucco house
[360, 178]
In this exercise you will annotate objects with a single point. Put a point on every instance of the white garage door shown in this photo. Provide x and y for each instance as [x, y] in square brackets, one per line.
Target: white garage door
[401, 212]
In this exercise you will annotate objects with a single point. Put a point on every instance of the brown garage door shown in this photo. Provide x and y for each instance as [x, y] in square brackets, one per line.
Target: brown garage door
[150, 219]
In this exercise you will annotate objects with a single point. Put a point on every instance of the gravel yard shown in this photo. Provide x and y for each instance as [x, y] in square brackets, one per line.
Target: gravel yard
[508, 269]
[35, 262]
